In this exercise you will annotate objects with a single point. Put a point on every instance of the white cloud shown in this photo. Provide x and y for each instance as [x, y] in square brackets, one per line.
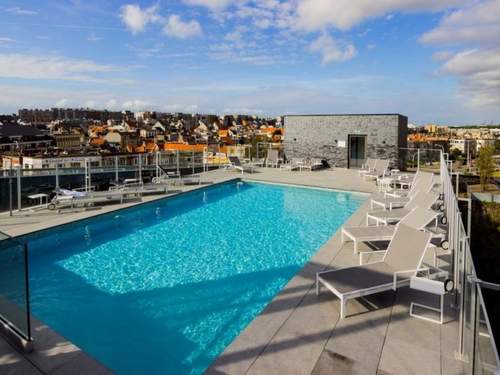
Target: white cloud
[178, 28]
[136, 19]
[332, 50]
[176, 107]
[442, 55]
[55, 67]
[344, 14]
[94, 38]
[479, 23]
[21, 12]
[62, 103]
[6, 42]
[479, 74]
[136, 105]
[214, 5]
[475, 29]
[111, 104]
[90, 104]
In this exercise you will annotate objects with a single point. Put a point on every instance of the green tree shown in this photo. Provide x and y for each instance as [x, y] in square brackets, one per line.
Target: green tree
[485, 165]
[455, 154]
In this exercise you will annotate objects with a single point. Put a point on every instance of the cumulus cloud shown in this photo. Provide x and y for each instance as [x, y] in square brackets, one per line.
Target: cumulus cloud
[136, 19]
[479, 74]
[5, 41]
[479, 23]
[21, 11]
[475, 31]
[61, 103]
[332, 50]
[136, 105]
[344, 14]
[54, 67]
[177, 28]
[214, 5]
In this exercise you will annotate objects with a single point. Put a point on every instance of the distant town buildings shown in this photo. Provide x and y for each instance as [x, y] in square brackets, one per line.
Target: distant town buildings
[39, 138]
[36, 136]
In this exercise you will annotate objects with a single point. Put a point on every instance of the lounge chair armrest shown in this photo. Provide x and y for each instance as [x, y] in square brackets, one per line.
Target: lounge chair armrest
[361, 253]
[395, 278]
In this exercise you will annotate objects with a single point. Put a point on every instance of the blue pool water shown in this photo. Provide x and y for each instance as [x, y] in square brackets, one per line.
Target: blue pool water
[163, 288]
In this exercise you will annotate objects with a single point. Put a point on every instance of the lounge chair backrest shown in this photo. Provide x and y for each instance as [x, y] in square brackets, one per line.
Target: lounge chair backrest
[382, 166]
[407, 248]
[370, 163]
[424, 183]
[235, 160]
[272, 156]
[418, 218]
[422, 199]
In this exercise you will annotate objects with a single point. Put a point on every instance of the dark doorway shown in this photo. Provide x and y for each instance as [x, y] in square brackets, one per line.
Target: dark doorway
[357, 150]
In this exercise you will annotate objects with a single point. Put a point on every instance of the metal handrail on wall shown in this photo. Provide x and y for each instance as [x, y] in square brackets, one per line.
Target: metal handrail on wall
[476, 344]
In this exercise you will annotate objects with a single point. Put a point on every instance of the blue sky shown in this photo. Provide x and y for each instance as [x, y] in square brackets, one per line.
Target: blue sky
[433, 60]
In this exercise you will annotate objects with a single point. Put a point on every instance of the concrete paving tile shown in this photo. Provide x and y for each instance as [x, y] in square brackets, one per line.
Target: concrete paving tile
[332, 363]
[402, 357]
[13, 363]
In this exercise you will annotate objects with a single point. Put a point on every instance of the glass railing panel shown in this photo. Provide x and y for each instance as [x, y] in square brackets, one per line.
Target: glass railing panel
[14, 292]
[485, 354]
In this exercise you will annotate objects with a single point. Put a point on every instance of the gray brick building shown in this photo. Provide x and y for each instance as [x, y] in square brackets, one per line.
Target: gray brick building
[346, 140]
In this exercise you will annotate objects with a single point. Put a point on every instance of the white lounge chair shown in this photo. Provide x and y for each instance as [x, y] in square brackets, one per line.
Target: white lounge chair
[421, 199]
[379, 170]
[236, 164]
[402, 260]
[367, 167]
[421, 181]
[418, 218]
[272, 159]
[73, 199]
[311, 164]
[390, 201]
[293, 164]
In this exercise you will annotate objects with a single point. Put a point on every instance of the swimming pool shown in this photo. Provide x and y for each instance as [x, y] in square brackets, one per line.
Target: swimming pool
[164, 287]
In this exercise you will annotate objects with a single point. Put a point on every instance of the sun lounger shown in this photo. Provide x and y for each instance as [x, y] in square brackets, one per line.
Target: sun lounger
[311, 164]
[418, 218]
[367, 167]
[402, 260]
[272, 159]
[295, 163]
[379, 170]
[236, 164]
[421, 199]
[421, 181]
[85, 199]
[424, 183]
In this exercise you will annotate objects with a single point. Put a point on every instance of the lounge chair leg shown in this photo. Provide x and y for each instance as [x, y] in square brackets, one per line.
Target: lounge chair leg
[343, 307]
[317, 286]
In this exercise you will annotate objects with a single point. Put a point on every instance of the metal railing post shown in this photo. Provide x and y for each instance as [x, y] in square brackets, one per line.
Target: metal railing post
[57, 176]
[192, 160]
[177, 162]
[116, 168]
[139, 163]
[18, 177]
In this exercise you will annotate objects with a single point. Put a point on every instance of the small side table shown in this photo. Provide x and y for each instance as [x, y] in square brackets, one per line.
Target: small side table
[435, 287]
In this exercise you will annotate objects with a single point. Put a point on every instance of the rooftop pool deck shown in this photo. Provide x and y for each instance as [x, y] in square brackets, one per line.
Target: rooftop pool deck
[298, 332]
